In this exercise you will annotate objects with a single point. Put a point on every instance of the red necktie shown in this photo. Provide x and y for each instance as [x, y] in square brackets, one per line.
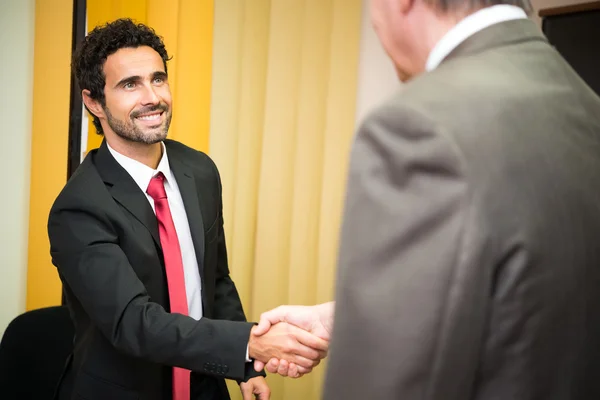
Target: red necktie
[174, 269]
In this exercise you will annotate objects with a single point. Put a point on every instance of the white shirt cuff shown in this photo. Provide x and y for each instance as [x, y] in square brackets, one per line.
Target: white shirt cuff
[247, 350]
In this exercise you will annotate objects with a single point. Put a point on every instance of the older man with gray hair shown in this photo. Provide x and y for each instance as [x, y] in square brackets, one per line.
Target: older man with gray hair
[469, 263]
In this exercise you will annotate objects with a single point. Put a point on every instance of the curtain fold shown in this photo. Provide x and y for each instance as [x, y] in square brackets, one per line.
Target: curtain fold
[282, 120]
[49, 139]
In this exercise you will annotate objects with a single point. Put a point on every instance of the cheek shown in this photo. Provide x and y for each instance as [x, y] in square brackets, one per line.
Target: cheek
[121, 105]
[165, 94]
[379, 15]
[381, 27]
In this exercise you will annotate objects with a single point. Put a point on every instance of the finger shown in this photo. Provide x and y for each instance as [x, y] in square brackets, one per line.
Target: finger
[261, 389]
[263, 327]
[302, 370]
[259, 365]
[272, 365]
[293, 371]
[323, 354]
[265, 393]
[283, 368]
[303, 361]
[269, 318]
[312, 341]
[298, 349]
[246, 390]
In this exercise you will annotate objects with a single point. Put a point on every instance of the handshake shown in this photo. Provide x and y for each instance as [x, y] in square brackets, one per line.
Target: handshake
[291, 340]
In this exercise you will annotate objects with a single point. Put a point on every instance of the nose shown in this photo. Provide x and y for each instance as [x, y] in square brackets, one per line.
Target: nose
[149, 96]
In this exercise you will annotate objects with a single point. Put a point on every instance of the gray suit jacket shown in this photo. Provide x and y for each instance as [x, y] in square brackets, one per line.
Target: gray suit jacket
[470, 250]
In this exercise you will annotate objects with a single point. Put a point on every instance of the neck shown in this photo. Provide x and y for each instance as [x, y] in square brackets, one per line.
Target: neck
[147, 154]
[430, 26]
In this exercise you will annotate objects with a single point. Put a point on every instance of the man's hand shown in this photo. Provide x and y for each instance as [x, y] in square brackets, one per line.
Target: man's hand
[256, 386]
[287, 342]
[317, 320]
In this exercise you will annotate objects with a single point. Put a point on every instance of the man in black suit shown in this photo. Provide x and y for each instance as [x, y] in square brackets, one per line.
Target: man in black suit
[137, 238]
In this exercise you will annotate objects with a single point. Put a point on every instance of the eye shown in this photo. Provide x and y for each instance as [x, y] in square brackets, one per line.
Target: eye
[158, 80]
[129, 85]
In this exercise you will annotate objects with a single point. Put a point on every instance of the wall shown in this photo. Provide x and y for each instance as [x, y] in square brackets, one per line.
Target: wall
[16, 68]
[541, 4]
[377, 79]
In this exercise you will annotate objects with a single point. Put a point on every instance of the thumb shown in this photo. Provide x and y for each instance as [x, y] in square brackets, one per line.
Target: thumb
[263, 327]
[259, 365]
[267, 319]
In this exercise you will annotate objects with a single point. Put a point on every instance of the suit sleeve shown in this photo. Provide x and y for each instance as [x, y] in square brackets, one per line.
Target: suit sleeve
[85, 249]
[410, 309]
[228, 305]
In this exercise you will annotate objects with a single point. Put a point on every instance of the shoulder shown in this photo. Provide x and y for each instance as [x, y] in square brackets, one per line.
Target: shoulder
[457, 101]
[406, 118]
[405, 136]
[198, 163]
[185, 153]
[83, 189]
[195, 159]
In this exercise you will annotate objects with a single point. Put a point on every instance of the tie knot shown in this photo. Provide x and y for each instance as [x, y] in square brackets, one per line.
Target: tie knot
[156, 187]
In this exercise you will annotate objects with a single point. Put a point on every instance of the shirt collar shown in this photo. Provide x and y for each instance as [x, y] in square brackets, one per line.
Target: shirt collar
[470, 25]
[141, 173]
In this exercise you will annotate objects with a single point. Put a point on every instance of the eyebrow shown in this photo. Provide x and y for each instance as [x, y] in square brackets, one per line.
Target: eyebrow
[137, 78]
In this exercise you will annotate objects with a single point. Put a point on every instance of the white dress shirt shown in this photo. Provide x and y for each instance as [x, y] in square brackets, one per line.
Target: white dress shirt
[470, 25]
[142, 174]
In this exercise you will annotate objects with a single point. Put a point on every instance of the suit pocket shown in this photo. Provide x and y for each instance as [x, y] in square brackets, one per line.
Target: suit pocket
[88, 387]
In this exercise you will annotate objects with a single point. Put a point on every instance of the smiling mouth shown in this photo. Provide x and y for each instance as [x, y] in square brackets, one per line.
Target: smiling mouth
[150, 117]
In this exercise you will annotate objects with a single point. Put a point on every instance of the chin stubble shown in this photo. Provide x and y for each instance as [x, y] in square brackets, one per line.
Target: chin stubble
[130, 131]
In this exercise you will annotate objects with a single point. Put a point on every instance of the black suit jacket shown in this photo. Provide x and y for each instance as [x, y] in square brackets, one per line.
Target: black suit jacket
[105, 244]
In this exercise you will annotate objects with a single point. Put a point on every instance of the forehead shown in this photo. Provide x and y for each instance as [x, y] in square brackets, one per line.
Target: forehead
[139, 61]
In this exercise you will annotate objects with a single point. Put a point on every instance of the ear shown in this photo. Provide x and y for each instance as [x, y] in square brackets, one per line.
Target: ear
[93, 105]
[404, 6]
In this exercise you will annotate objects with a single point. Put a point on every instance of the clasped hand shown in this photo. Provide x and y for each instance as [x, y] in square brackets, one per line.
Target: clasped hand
[292, 340]
[288, 343]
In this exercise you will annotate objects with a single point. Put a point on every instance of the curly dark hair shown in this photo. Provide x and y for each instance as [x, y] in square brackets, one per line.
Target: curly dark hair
[89, 59]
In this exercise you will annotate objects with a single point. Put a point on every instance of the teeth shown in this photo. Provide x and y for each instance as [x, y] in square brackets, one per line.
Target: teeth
[149, 117]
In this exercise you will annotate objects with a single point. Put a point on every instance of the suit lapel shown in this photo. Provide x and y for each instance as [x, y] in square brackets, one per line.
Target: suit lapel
[125, 191]
[189, 194]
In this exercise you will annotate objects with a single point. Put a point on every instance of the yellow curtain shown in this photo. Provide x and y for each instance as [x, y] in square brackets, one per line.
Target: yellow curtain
[283, 111]
[49, 138]
[187, 29]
